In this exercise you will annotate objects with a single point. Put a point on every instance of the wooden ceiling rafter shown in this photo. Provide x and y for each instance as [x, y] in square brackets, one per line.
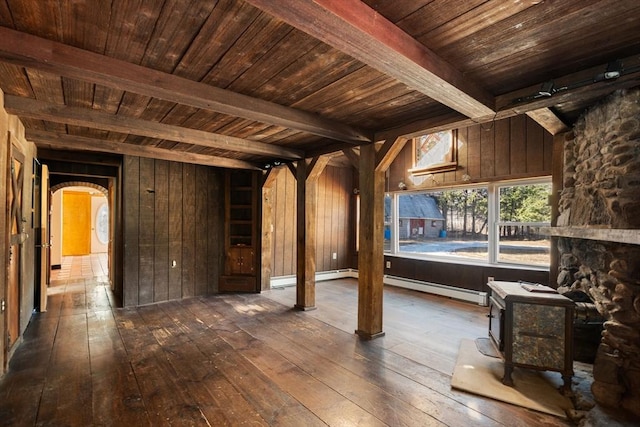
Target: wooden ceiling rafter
[77, 116]
[359, 31]
[65, 141]
[45, 55]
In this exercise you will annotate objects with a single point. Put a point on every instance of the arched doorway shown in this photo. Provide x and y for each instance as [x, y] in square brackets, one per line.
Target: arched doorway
[80, 228]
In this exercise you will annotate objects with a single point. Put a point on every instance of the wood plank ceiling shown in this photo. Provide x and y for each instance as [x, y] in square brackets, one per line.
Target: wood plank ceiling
[247, 83]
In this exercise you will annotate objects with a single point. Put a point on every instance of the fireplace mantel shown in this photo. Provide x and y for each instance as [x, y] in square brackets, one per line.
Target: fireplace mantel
[618, 235]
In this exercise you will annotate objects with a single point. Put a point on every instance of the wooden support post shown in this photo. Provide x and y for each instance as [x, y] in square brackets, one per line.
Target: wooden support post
[371, 250]
[372, 166]
[307, 193]
[557, 178]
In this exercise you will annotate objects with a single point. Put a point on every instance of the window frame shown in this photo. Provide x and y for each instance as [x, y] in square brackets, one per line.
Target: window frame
[493, 215]
[450, 162]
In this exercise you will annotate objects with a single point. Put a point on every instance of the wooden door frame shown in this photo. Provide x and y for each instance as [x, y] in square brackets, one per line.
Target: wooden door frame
[13, 152]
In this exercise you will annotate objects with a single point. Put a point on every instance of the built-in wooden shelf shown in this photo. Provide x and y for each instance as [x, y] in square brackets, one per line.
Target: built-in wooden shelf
[618, 235]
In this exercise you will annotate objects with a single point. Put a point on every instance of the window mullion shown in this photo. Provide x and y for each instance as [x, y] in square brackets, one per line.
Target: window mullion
[493, 212]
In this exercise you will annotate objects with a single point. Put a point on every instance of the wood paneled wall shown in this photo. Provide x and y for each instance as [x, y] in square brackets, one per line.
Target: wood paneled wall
[171, 212]
[507, 149]
[335, 231]
[511, 148]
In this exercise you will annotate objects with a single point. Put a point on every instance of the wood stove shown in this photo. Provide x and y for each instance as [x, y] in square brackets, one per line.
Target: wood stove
[532, 327]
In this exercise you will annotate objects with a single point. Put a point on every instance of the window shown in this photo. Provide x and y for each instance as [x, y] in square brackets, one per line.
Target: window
[523, 210]
[448, 222]
[496, 223]
[435, 152]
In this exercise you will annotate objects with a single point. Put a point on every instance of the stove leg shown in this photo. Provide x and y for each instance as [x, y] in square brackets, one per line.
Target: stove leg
[507, 380]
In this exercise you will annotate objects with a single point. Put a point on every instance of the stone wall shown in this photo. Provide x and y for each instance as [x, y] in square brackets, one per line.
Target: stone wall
[601, 188]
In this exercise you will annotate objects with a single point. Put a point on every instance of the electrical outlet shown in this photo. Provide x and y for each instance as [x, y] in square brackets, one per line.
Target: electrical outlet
[388, 264]
[491, 278]
[334, 256]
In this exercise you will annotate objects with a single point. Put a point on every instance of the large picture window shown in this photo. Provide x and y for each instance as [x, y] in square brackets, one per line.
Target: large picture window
[494, 223]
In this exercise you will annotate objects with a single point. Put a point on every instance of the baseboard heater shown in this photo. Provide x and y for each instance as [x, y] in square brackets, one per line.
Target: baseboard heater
[477, 297]
[469, 295]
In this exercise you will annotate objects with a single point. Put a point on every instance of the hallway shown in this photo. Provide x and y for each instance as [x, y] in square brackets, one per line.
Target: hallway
[243, 360]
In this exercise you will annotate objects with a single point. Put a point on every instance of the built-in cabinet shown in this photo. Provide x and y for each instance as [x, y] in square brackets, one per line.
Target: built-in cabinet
[241, 232]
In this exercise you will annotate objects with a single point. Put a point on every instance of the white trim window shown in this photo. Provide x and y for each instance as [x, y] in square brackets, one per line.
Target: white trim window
[493, 223]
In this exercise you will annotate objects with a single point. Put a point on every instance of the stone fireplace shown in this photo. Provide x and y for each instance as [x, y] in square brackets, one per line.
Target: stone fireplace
[599, 247]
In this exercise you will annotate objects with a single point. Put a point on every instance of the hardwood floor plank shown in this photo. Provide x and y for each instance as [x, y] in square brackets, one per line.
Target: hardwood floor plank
[398, 399]
[273, 404]
[66, 397]
[116, 398]
[388, 351]
[248, 359]
[323, 401]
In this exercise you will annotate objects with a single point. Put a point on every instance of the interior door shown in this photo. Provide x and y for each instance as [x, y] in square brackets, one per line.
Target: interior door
[16, 233]
[45, 245]
[76, 223]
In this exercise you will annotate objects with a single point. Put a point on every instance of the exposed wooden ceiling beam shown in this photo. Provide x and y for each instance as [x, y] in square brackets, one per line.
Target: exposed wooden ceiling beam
[508, 107]
[34, 52]
[388, 152]
[27, 107]
[548, 120]
[73, 142]
[354, 28]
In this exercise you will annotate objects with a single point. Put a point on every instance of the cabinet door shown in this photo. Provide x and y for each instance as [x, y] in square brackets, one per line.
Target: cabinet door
[241, 260]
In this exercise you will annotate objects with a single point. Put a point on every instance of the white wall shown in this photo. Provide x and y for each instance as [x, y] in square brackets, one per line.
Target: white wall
[56, 228]
[98, 200]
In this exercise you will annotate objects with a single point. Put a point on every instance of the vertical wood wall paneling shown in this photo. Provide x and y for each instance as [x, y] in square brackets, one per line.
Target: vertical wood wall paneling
[147, 225]
[290, 232]
[511, 148]
[463, 148]
[473, 152]
[502, 147]
[487, 150]
[535, 146]
[334, 222]
[277, 249]
[201, 223]
[215, 235]
[131, 230]
[548, 151]
[518, 143]
[175, 229]
[161, 232]
[188, 230]
[339, 219]
[323, 223]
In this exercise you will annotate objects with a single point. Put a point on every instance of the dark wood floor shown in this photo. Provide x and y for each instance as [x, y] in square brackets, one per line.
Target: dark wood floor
[244, 360]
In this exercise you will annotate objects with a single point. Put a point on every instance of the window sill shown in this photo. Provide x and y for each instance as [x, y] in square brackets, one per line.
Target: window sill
[468, 261]
[442, 167]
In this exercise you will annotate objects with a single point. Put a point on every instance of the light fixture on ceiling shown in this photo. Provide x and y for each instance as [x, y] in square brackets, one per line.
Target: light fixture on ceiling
[614, 70]
[547, 88]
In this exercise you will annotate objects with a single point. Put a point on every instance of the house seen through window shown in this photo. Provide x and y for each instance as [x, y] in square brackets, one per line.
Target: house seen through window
[491, 223]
